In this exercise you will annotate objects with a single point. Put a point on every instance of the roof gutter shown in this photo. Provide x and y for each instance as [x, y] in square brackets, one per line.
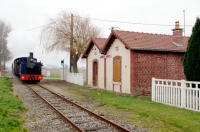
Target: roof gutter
[177, 51]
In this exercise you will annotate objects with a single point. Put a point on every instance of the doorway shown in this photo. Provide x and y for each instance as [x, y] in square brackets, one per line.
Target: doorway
[95, 73]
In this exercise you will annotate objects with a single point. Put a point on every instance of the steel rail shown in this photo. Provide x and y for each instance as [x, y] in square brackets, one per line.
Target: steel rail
[92, 113]
[67, 119]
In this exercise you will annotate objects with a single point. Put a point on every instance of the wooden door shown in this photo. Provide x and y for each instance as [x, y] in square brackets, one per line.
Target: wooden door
[95, 73]
[117, 70]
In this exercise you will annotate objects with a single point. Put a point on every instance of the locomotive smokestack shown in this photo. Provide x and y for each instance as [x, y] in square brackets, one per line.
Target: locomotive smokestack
[31, 54]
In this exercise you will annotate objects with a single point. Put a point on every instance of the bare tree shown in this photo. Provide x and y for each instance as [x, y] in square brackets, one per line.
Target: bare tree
[56, 36]
[5, 54]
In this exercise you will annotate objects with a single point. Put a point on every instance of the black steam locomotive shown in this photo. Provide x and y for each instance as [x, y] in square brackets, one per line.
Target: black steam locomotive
[27, 69]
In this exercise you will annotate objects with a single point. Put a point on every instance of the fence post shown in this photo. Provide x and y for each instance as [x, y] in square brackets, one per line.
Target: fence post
[153, 90]
[183, 93]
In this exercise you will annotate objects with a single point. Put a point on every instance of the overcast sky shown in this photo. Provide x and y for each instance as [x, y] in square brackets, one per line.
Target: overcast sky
[28, 14]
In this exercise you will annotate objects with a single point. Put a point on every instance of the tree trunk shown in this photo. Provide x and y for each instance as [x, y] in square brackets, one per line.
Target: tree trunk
[74, 63]
[75, 67]
[4, 65]
[71, 61]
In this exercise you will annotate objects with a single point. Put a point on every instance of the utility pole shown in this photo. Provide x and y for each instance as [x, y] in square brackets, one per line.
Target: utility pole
[184, 25]
[71, 43]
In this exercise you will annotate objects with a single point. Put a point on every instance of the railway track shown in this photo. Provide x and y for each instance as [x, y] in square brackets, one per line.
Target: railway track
[79, 117]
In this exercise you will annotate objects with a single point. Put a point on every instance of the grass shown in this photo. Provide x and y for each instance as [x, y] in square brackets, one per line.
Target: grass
[12, 111]
[141, 111]
[55, 74]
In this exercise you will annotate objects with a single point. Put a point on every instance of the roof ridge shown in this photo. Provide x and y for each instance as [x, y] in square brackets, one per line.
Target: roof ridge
[142, 32]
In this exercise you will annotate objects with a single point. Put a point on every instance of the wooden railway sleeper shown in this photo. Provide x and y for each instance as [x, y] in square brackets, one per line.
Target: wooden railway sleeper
[95, 128]
[120, 128]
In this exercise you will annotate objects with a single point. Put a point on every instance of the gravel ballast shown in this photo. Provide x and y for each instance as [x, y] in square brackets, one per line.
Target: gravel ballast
[41, 118]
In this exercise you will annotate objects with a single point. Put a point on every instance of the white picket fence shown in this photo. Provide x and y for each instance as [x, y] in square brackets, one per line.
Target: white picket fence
[180, 93]
[76, 78]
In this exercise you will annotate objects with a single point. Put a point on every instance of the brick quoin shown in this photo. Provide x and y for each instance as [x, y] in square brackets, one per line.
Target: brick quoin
[105, 79]
[132, 77]
[148, 64]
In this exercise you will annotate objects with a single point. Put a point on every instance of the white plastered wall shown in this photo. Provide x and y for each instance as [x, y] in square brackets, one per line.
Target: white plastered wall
[94, 54]
[125, 68]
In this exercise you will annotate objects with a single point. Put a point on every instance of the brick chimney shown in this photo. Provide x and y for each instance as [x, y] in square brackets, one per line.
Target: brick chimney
[177, 34]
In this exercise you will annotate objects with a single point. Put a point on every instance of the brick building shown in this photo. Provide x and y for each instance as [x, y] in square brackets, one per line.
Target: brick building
[126, 61]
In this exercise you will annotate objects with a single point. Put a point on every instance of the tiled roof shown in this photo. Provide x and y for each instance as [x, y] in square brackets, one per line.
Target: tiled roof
[139, 41]
[99, 42]
[147, 41]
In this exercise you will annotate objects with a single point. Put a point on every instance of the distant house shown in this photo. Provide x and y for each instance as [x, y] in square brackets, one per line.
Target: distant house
[126, 61]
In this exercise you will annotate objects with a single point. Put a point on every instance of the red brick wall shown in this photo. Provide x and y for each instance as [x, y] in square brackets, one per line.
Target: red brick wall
[147, 64]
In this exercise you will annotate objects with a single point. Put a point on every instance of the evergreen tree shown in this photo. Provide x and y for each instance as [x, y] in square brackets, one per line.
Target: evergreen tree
[191, 59]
